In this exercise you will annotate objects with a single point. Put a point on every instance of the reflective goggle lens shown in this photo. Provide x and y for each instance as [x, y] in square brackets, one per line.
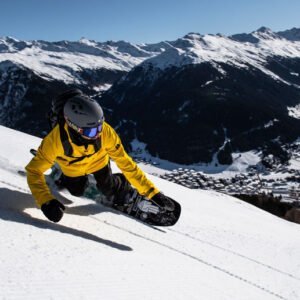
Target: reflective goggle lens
[91, 132]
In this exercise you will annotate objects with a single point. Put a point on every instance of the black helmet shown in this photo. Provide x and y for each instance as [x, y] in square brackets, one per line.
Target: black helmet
[84, 115]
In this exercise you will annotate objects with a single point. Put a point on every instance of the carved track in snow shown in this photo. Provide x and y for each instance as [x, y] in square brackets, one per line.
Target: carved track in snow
[198, 259]
[186, 235]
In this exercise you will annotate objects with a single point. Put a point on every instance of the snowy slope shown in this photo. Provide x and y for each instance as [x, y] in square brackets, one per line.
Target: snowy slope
[260, 45]
[221, 248]
[59, 60]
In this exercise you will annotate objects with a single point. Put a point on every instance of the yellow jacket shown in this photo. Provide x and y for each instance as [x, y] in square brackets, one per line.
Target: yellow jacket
[51, 151]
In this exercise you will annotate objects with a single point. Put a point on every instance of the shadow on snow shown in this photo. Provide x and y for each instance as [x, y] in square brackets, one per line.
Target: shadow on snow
[13, 203]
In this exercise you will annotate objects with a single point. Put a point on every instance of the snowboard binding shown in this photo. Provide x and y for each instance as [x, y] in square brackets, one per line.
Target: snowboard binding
[148, 211]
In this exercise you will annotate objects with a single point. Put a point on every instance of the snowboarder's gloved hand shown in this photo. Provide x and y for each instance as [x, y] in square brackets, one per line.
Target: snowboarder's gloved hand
[163, 201]
[53, 210]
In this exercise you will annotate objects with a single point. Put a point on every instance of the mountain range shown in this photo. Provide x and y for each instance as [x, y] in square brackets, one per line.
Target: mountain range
[188, 100]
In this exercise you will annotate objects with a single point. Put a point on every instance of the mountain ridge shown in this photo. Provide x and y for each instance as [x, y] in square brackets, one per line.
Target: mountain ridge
[213, 93]
[206, 85]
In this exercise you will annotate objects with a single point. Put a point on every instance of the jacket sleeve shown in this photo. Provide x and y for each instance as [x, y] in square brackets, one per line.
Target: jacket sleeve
[43, 161]
[132, 172]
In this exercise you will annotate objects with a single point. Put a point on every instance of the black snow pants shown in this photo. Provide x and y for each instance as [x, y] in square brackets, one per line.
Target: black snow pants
[109, 184]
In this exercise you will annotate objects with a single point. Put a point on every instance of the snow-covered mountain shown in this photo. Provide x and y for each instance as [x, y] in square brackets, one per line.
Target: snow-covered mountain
[212, 94]
[33, 72]
[291, 34]
[66, 61]
[188, 100]
[221, 248]
[242, 51]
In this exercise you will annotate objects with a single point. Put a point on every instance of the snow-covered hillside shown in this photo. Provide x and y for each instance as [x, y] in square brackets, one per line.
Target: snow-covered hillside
[189, 83]
[253, 50]
[216, 94]
[221, 248]
[60, 60]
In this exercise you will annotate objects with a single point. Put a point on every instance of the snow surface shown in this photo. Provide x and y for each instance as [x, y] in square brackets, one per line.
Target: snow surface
[196, 48]
[59, 60]
[294, 111]
[221, 248]
[241, 161]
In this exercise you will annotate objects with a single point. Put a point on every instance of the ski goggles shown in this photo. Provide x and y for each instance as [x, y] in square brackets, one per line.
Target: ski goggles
[89, 132]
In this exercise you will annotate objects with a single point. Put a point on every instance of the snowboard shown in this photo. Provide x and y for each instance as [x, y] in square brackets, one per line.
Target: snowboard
[135, 205]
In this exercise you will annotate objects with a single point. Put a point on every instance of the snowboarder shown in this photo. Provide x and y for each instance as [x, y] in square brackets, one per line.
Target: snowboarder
[83, 143]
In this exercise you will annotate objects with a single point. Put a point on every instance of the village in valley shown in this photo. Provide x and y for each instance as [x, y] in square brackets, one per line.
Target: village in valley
[269, 184]
[252, 182]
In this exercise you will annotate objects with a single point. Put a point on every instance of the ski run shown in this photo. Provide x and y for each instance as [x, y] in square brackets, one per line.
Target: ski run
[221, 248]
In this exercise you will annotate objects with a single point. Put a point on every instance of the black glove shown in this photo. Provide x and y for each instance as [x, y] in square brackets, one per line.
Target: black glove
[53, 210]
[163, 201]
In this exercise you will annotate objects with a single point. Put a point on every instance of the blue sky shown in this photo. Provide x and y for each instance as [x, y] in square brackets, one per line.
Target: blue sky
[140, 20]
